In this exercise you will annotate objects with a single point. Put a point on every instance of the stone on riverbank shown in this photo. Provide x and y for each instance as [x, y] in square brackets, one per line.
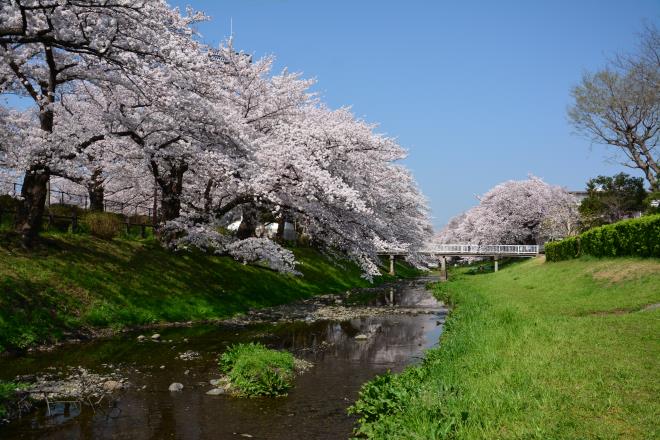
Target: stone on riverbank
[112, 385]
[216, 392]
[176, 386]
[189, 355]
[301, 365]
[75, 383]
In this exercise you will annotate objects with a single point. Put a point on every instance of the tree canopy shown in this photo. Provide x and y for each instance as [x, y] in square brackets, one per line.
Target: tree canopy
[610, 199]
[127, 100]
[515, 212]
[619, 106]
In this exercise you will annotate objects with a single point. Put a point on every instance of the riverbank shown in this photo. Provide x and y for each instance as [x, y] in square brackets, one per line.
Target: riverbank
[537, 350]
[76, 287]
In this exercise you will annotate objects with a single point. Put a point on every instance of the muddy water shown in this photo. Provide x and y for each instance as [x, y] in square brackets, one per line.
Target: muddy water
[314, 409]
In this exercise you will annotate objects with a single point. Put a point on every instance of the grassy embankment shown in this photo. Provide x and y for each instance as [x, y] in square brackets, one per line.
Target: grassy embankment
[540, 350]
[75, 282]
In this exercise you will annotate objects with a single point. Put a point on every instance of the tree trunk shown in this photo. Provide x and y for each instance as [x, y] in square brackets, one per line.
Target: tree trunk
[31, 208]
[248, 226]
[34, 191]
[208, 198]
[170, 203]
[171, 188]
[279, 235]
[154, 217]
[96, 191]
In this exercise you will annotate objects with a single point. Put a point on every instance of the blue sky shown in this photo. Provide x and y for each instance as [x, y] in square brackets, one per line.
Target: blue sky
[476, 91]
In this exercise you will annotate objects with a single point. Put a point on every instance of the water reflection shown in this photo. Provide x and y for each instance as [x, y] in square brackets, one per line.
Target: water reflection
[409, 294]
[315, 408]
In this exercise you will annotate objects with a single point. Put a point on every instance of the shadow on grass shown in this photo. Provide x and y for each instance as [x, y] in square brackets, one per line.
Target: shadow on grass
[73, 280]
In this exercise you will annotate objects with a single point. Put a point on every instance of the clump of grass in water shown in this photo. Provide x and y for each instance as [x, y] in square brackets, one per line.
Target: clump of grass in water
[254, 370]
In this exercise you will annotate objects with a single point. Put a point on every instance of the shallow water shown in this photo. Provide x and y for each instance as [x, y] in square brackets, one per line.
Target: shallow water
[314, 409]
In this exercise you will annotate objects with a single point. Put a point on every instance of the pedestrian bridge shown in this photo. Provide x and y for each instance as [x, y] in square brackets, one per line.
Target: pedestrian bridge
[495, 251]
[482, 250]
[472, 250]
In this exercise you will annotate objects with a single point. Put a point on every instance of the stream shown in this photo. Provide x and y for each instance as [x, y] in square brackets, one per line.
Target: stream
[314, 409]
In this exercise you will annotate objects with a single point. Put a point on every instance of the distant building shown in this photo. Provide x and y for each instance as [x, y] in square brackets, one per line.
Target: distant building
[269, 230]
[579, 195]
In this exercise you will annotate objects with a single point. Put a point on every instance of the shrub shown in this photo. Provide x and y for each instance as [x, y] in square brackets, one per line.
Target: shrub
[65, 210]
[135, 230]
[8, 391]
[140, 219]
[104, 225]
[562, 250]
[62, 210]
[380, 397]
[255, 370]
[8, 209]
[636, 237]
[8, 203]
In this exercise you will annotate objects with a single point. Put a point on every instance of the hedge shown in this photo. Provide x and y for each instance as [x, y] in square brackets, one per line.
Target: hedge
[105, 225]
[637, 237]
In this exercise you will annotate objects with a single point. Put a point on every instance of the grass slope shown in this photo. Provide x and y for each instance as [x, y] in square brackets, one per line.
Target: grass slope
[76, 281]
[565, 350]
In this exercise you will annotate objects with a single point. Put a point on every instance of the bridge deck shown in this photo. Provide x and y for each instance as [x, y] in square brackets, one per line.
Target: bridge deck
[472, 250]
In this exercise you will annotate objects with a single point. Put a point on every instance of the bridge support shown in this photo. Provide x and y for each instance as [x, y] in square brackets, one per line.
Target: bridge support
[391, 264]
[443, 268]
[496, 262]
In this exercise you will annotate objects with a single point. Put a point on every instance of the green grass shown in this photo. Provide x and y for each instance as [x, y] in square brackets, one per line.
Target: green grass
[254, 370]
[565, 350]
[74, 281]
[7, 396]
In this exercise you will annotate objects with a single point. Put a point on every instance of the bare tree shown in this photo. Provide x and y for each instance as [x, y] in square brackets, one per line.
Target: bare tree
[620, 106]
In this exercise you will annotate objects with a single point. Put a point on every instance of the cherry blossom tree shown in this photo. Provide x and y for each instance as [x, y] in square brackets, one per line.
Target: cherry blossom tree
[324, 168]
[48, 46]
[338, 177]
[127, 101]
[516, 212]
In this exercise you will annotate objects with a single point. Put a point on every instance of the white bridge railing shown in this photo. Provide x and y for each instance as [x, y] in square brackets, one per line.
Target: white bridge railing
[472, 249]
[482, 249]
[476, 250]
